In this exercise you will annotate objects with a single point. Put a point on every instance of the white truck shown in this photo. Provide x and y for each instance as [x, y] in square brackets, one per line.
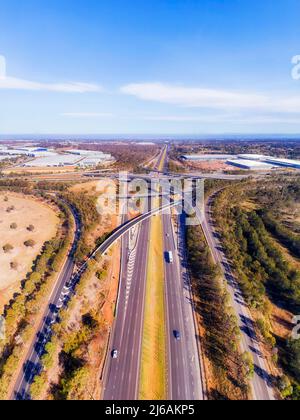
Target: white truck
[170, 257]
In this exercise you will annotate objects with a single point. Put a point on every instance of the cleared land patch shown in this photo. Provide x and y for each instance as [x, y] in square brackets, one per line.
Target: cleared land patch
[22, 220]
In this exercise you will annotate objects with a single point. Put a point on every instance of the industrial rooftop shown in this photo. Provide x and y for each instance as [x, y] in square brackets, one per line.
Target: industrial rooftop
[44, 157]
[247, 161]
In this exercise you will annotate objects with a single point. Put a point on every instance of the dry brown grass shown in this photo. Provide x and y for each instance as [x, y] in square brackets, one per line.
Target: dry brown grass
[90, 187]
[39, 170]
[211, 166]
[27, 211]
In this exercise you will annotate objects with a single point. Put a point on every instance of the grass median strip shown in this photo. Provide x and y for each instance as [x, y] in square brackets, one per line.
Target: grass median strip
[162, 162]
[153, 364]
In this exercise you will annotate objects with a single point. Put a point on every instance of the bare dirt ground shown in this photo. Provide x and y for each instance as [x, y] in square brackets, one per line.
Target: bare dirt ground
[25, 211]
[39, 170]
[94, 188]
[213, 165]
[91, 187]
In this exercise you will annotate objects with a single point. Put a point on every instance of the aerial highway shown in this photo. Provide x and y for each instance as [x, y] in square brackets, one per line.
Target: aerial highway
[122, 367]
[122, 373]
[185, 376]
[121, 379]
[122, 370]
[64, 288]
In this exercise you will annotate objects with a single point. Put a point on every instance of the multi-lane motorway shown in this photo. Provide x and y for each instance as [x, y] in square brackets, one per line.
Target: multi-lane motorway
[122, 374]
[185, 379]
[121, 377]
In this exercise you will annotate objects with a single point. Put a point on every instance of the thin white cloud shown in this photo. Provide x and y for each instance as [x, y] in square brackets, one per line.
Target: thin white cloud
[87, 115]
[232, 119]
[211, 98]
[179, 118]
[12, 83]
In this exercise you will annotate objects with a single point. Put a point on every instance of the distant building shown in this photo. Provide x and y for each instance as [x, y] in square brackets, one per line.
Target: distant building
[287, 163]
[250, 164]
[247, 161]
[252, 156]
[53, 161]
[78, 152]
[25, 151]
[48, 159]
[92, 154]
[205, 158]
[92, 161]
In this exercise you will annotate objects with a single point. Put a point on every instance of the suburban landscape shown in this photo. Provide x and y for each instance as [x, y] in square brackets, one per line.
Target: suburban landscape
[162, 266]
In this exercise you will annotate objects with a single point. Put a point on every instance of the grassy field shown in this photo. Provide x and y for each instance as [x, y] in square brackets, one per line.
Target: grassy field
[153, 366]
[17, 212]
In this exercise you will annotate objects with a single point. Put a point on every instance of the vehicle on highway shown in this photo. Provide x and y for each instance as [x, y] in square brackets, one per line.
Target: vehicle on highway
[177, 335]
[170, 258]
[115, 354]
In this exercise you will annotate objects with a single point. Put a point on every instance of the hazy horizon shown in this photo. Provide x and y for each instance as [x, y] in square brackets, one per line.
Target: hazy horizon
[148, 137]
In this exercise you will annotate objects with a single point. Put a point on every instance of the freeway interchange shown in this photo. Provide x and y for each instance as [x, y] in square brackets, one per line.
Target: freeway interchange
[122, 370]
[122, 374]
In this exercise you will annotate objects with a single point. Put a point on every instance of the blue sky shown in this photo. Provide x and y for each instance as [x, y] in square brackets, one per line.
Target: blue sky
[159, 66]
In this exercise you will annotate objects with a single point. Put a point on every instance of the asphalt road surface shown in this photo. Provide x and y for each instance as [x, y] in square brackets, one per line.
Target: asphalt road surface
[122, 374]
[121, 378]
[183, 359]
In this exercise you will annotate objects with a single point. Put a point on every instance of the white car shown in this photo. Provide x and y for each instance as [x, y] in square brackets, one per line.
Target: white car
[115, 354]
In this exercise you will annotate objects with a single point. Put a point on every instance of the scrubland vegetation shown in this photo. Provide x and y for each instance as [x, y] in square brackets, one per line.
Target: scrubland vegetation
[230, 370]
[22, 312]
[258, 223]
[73, 361]
[129, 157]
[70, 366]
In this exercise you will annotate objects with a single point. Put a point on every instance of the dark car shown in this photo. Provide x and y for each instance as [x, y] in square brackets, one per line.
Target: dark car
[177, 335]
